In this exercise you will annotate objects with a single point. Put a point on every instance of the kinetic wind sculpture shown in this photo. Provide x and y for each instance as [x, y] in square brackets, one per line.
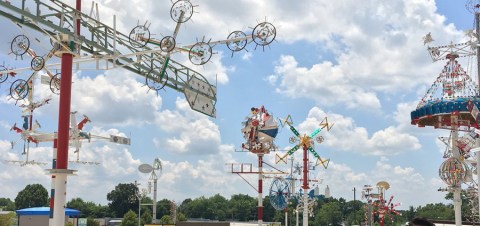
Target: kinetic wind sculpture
[147, 168]
[306, 143]
[452, 103]
[259, 130]
[62, 24]
[381, 207]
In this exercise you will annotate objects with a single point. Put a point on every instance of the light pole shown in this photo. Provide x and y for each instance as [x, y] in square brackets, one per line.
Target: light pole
[138, 197]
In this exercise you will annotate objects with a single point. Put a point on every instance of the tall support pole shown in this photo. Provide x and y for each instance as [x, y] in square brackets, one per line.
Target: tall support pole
[260, 190]
[155, 200]
[52, 185]
[286, 216]
[305, 185]
[296, 220]
[457, 201]
[61, 171]
[477, 154]
[354, 200]
[477, 29]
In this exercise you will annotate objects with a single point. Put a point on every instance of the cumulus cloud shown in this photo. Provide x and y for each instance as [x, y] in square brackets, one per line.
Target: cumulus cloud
[345, 135]
[191, 134]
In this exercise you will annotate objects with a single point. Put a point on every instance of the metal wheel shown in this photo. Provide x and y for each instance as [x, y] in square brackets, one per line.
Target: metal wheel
[200, 53]
[20, 45]
[19, 89]
[279, 192]
[236, 41]
[264, 33]
[167, 44]
[156, 80]
[139, 36]
[3, 75]
[55, 84]
[37, 63]
[181, 11]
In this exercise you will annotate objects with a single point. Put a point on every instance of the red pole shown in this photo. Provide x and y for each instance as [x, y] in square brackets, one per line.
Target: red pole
[64, 110]
[260, 189]
[78, 7]
[305, 167]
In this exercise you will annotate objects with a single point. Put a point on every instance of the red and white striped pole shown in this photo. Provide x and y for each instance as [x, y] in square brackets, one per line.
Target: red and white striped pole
[61, 171]
[260, 189]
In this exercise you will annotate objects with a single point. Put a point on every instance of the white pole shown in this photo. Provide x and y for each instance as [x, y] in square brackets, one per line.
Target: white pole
[477, 154]
[305, 207]
[286, 217]
[155, 200]
[296, 213]
[457, 201]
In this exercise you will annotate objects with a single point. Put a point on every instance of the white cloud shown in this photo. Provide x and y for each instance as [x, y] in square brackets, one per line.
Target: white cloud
[345, 135]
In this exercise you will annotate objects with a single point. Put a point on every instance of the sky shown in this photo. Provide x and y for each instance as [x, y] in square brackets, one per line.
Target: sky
[362, 65]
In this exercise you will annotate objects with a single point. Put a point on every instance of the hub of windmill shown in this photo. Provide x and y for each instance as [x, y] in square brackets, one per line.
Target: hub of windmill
[66, 43]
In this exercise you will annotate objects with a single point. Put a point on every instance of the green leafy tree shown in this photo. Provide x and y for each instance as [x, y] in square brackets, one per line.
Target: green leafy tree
[6, 204]
[33, 195]
[329, 214]
[122, 199]
[181, 217]
[438, 211]
[7, 219]
[92, 222]
[129, 219]
[146, 217]
[163, 208]
[244, 207]
[166, 219]
[89, 209]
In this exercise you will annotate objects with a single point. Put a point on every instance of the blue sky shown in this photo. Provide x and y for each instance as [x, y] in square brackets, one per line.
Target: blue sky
[363, 65]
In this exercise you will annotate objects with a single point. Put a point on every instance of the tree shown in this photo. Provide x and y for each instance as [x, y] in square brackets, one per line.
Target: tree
[146, 218]
[123, 199]
[129, 219]
[89, 209]
[166, 219]
[181, 217]
[329, 214]
[7, 204]
[438, 211]
[243, 207]
[92, 222]
[163, 208]
[7, 219]
[33, 195]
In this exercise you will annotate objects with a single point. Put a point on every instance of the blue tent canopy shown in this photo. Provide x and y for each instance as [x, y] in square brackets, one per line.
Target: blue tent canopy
[45, 211]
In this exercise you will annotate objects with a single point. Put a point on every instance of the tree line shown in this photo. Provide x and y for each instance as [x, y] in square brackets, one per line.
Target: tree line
[123, 202]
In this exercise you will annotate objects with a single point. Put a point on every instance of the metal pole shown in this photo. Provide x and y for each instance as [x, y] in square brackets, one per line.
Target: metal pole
[457, 201]
[61, 171]
[52, 187]
[286, 216]
[155, 200]
[477, 28]
[305, 185]
[296, 213]
[354, 214]
[260, 189]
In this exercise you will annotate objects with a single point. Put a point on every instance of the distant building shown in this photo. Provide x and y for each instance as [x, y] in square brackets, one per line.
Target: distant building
[39, 216]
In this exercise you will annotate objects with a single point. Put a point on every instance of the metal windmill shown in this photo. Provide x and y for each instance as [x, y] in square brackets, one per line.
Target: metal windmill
[259, 130]
[305, 142]
[62, 24]
[146, 168]
[452, 103]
